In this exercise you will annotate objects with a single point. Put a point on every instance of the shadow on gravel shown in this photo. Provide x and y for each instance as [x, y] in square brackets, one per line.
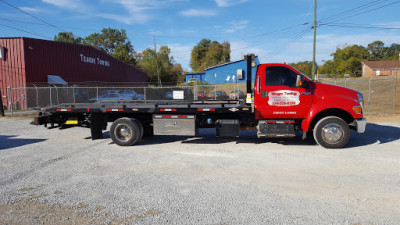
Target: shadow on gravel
[375, 133]
[7, 142]
[207, 136]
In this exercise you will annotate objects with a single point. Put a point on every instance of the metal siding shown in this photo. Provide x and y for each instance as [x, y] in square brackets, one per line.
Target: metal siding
[228, 70]
[63, 59]
[12, 68]
[198, 76]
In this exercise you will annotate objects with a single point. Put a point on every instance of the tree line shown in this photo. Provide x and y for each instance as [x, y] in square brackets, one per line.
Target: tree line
[347, 59]
[161, 64]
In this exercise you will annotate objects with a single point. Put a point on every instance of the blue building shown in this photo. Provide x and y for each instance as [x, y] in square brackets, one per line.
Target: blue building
[232, 72]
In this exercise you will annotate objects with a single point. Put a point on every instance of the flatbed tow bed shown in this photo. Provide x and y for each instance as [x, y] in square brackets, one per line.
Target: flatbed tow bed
[150, 107]
[96, 115]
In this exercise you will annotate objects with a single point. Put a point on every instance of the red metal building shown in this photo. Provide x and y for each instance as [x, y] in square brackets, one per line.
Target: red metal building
[24, 61]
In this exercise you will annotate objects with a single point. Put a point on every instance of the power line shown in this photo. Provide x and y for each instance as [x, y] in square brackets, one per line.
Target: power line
[364, 6]
[366, 26]
[25, 31]
[289, 43]
[366, 11]
[31, 15]
[271, 32]
[350, 13]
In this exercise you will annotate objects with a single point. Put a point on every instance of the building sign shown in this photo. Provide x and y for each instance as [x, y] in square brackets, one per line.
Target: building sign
[284, 98]
[96, 61]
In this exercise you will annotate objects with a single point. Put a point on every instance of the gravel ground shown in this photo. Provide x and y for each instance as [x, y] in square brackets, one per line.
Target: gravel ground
[63, 177]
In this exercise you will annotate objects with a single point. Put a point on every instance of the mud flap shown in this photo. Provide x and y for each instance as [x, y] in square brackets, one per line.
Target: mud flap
[96, 125]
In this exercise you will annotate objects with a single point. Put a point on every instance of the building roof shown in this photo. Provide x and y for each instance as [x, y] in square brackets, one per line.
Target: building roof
[226, 64]
[382, 64]
[194, 74]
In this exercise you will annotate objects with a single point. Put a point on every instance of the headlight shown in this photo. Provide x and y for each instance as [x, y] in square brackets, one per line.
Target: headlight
[361, 100]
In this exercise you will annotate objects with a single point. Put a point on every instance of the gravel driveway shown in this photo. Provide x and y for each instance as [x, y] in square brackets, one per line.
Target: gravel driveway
[63, 177]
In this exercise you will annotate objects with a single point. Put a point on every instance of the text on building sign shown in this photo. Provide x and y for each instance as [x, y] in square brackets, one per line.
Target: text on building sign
[92, 60]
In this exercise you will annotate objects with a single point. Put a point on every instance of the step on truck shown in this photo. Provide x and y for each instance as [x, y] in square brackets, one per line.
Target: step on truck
[284, 103]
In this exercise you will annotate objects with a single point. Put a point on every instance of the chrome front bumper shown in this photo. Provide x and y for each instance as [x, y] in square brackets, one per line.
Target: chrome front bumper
[360, 125]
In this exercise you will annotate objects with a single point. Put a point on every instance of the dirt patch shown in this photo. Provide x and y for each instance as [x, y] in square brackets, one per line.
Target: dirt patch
[383, 118]
[27, 211]
[22, 116]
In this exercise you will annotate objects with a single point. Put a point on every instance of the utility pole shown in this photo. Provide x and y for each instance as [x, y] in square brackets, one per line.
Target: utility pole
[315, 39]
[158, 73]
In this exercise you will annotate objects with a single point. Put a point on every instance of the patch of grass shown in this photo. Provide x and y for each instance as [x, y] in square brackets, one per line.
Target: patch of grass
[153, 212]
[57, 192]
[99, 208]
[82, 206]
[37, 196]
[26, 189]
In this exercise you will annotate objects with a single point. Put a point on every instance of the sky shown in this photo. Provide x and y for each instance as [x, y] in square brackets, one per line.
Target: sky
[276, 31]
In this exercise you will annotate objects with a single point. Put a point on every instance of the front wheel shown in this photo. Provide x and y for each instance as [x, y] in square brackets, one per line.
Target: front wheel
[331, 132]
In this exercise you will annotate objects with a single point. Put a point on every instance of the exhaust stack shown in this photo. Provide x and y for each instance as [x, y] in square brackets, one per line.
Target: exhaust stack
[249, 58]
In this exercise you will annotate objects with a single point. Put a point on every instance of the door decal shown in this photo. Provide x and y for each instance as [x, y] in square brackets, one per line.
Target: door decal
[284, 98]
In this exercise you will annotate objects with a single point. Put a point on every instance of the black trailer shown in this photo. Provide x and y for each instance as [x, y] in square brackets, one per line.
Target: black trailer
[132, 119]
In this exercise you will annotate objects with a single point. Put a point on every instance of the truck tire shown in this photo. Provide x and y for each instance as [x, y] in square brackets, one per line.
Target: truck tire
[140, 127]
[331, 132]
[125, 131]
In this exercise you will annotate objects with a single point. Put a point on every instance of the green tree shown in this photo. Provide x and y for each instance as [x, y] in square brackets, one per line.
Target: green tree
[347, 60]
[392, 52]
[304, 67]
[170, 72]
[209, 53]
[329, 68]
[113, 42]
[377, 50]
[68, 37]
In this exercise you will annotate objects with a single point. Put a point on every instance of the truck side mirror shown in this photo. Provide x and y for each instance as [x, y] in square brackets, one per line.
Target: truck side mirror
[299, 81]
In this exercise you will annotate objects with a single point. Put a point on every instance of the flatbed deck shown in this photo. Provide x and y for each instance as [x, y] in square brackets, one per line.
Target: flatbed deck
[179, 107]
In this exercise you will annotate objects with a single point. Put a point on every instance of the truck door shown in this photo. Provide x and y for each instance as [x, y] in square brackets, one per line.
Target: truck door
[276, 94]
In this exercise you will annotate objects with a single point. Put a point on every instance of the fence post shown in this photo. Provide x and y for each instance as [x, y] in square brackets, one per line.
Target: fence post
[369, 92]
[395, 92]
[58, 101]
[215, 90]
[73, 93]
[51, 100]
[97, 93]
[10, 103]
[37, 96]
[144, 93]
[1, 104]
[195, 92]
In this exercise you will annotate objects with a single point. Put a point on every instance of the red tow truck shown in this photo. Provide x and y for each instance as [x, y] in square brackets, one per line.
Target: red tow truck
[284, 103]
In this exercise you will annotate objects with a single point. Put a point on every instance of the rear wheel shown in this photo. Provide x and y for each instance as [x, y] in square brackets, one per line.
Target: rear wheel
[331, 132]
[125, 131]
[140, 128]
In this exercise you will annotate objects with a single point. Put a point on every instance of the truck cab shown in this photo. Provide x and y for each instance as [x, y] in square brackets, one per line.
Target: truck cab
[287, 101]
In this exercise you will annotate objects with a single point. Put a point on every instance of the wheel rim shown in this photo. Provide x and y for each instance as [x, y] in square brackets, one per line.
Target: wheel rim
[123, 132]
[332, 133]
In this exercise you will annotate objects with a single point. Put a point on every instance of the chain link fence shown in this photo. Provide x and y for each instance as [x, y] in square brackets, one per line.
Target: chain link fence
[15, 99]
[381, 95]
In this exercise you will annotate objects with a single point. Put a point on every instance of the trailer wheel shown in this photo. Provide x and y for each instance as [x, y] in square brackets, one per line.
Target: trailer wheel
[331, 132]
[125, 132]
[140, 127]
